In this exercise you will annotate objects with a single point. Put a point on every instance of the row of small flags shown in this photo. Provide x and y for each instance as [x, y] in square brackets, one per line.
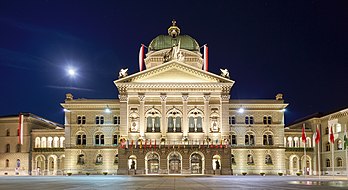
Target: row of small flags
[331, 136]
[148, 144]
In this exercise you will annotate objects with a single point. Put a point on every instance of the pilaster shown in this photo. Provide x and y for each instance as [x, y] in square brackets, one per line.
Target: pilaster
[141, 115]
[184, 115]
[206, 114]
[163, 120]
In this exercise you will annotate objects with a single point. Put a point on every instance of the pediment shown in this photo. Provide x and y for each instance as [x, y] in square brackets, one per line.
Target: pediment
[174, 72]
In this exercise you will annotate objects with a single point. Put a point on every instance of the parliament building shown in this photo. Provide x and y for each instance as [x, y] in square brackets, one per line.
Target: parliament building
[172, 118]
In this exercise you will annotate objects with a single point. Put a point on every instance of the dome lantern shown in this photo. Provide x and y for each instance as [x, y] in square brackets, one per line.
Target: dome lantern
[173, 30]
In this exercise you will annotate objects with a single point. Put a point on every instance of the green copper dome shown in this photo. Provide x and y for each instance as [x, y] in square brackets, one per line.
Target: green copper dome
[166, 41]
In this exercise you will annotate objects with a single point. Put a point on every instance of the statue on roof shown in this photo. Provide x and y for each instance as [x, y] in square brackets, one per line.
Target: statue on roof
[123, 73]
[225, 73]
[174, 53]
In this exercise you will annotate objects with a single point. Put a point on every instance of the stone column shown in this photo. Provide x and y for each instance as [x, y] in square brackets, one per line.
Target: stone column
[206, 114]
[164, 115]
[184, 115]
[142, 115]
[124, 115]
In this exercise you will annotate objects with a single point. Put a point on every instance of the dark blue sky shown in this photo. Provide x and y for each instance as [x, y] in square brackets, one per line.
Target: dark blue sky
[298, 48]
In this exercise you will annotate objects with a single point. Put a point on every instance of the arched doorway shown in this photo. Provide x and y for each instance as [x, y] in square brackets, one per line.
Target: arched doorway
[174, 163]
[294, 164]
[132, 162]
[40, 164]
[197, 163]
[216, 162]
[152, 163]
[308, 166]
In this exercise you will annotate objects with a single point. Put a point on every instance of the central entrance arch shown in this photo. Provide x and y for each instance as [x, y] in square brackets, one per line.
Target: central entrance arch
[174, 163]
[197, 163]
[152, 163]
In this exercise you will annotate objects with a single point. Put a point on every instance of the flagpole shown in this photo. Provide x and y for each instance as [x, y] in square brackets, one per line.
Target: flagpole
[333, 161]
[319, 161]
[305, 159]
[304, 140]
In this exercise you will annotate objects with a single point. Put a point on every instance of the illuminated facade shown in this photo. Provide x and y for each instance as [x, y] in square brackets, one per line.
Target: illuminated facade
[174, 117]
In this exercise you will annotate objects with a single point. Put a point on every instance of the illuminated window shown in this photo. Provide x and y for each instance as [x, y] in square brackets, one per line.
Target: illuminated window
[268, 159]
[99, 159]
[250, 159]
[339, 145]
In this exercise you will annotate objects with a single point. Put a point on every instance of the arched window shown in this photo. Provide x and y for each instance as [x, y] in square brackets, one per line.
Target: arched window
[196, 120]
[327, 130]
[153, 121]
[116, 159]
[18, 164]
[18, 148]
[8, 148]
[328, 146]
[290, 142]
[101, 120]
[7, 163]
[246, 119]
[174, 120]
[99, 159]
[79, 119]
[49, 142]
[328, 163]
[249, 139]
[216, 162]
[117, 120]
[233, 160]
[37, 142]
[7, 132]
[296, 142]
[264, 119]
[268, 138]
[339, 145]
[99, 139]
[81, 139]
[61, 140]
[339, 162]
[251, 120]
[233, 139]
[83, 120]
[81, 159]
[269, 120]
[97, 120]
[231, 120]
[250, 159]
[268, 159]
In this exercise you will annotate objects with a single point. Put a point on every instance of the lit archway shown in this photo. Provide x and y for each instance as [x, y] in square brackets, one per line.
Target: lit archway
[174, 163]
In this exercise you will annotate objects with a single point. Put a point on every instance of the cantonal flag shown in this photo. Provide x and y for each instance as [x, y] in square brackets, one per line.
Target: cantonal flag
[304, 138]
[345, 139]
[332, 137]
[317, 135]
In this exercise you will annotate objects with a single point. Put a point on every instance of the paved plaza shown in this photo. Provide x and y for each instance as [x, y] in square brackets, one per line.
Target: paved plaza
[171, 182]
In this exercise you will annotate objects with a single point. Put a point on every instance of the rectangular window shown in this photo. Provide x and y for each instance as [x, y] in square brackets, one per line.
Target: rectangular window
[269, 120]
[251, 119]
[83, 119]
[246, 120]
[102, 139]
[264, 120]
[101, 120]
[79, 140]
[97, 120]
[79, 120]
[232, 120]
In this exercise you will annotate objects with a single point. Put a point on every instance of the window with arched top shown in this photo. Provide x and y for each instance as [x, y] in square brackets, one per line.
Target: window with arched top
[232, 120]
[37, 142]
[339, 162]
[249, 139]
[269, 120]
[153, 121]
[99, 120]
[18, 148]
[233, 160]
[7, 163]
[233, 139]
[49, 142]
[7, 132]
[196, 121]
[81, 139]
[8, 148]
[174, 118]
[328, 162]
[328, 146]
[99, 139]
[268, 159]
[80, 159]
[267, 138]
[61, 142]
[250, 159]
[339, 144]
[247, 121]
[99, 159]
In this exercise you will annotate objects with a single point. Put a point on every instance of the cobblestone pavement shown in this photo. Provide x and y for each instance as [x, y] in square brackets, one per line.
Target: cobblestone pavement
[171, 182]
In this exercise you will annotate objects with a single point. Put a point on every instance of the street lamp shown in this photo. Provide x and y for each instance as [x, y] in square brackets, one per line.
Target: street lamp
[107, 110]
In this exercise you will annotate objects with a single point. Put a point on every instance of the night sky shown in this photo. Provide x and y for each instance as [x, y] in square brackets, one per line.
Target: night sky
[298, 48]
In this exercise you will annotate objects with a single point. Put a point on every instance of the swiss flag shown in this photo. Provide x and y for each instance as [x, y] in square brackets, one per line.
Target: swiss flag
[304, 138]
